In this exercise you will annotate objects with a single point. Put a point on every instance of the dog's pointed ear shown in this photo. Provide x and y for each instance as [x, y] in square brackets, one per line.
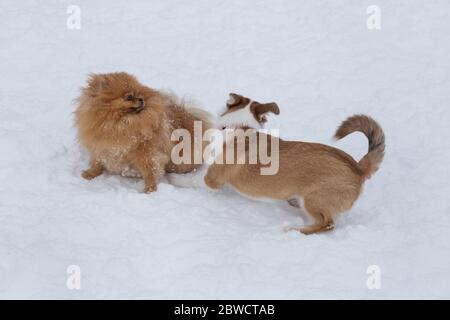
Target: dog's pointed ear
[233, 100]
[96, 83]
[259, 110]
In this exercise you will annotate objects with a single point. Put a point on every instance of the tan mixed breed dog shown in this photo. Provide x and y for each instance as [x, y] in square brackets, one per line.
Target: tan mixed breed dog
[323, 180]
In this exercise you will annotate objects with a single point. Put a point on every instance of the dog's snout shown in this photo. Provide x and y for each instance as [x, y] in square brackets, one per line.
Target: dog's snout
[141, 102]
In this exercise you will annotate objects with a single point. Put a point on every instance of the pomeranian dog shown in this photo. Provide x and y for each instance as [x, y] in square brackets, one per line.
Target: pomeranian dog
[322, 180]
[126, 128]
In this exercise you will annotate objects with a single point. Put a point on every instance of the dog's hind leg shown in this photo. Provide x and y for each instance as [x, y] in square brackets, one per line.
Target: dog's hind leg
[324, 205]
[319, 208]
[318, 226]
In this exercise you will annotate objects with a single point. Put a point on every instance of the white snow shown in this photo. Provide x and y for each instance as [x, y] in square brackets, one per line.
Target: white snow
[316, 59]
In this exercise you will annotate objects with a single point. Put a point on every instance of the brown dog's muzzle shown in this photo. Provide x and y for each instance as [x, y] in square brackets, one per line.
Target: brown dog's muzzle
[139, 108]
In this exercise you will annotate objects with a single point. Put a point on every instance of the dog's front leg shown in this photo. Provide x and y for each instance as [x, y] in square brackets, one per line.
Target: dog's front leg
[216, 176]
[151, 170]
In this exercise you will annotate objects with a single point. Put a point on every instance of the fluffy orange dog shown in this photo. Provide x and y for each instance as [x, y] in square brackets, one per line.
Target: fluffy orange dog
[126, 127]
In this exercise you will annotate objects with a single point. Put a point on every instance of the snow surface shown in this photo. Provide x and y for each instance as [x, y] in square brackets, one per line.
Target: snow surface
[316, 59]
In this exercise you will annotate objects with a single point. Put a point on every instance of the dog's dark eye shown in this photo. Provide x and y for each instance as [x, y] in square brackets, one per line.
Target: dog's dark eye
[129, 97]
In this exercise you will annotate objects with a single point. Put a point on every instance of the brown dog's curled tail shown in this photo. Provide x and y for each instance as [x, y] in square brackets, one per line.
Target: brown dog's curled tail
[370, 163]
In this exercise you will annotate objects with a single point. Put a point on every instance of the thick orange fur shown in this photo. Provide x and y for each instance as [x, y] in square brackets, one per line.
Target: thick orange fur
[126, 127]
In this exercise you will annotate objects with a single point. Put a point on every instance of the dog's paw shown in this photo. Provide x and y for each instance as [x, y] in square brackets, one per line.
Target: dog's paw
[150, 188]
[88, 175]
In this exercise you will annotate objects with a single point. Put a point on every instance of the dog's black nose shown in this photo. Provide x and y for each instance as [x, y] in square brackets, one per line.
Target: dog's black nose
[141, 102]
